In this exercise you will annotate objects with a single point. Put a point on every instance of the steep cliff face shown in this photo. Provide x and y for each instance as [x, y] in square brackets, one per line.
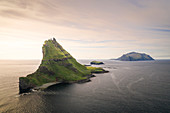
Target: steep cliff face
[57, 65]
[134, 56]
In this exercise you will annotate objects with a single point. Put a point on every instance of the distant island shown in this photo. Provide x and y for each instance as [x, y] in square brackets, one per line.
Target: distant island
[135, 56]
[57, 66]
[96, 63]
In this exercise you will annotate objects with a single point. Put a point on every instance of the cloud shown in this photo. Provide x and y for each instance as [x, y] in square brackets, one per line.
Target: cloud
[162, 30]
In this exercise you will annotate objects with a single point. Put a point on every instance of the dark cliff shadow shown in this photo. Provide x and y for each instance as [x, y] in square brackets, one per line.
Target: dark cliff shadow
[59, 87]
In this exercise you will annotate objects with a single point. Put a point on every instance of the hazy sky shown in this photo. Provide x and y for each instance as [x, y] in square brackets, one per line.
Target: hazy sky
[85, 28]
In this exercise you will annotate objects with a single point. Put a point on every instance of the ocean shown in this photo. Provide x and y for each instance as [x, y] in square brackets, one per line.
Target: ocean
[129, 87]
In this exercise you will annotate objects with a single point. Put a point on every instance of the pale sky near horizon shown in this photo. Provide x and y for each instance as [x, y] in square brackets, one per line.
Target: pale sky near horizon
[96, 29]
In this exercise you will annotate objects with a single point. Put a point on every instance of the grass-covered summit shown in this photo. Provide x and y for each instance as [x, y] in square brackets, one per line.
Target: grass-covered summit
[57, 65]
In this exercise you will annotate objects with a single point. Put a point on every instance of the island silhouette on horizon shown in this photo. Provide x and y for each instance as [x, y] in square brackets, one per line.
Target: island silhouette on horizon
[135, 56]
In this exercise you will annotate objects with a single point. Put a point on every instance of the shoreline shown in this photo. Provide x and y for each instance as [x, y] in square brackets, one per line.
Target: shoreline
[46, 85]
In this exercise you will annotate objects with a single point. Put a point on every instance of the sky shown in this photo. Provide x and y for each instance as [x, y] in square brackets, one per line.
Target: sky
[87, 29]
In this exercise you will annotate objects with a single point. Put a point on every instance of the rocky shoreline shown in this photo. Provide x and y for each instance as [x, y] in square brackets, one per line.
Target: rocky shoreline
[46, 85]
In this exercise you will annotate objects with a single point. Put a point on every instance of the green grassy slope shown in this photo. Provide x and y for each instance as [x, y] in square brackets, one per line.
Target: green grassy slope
[96, 69]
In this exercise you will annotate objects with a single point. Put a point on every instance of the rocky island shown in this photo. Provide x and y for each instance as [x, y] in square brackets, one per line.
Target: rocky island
[135, 56]
[57, 66]
[96, 63]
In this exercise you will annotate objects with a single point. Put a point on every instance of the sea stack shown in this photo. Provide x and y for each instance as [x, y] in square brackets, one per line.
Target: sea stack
[57, 65]
[135, 56]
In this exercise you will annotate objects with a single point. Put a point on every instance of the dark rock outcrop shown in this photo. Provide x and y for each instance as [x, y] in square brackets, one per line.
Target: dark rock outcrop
[25, 85]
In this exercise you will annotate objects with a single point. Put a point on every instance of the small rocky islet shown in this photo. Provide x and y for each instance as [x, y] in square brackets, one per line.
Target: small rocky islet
[57, 66]
[96, 63]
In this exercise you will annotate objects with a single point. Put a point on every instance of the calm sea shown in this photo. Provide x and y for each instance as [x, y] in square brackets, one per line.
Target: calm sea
[129, 87]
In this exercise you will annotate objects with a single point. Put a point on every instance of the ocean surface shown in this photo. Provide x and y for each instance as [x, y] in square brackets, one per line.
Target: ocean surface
[129, 87]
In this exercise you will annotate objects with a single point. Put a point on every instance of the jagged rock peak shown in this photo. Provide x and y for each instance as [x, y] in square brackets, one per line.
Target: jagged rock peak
[53, 50]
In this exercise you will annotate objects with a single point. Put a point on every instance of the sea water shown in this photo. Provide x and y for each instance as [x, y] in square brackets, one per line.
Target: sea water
[129, 87]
